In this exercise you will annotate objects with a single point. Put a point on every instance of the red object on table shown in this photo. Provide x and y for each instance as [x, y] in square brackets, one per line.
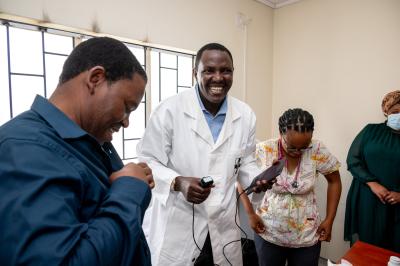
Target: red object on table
[361, 254]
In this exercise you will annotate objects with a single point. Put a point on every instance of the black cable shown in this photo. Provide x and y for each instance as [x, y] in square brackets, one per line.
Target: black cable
[194, 237]
[193, 229]
[241, 229]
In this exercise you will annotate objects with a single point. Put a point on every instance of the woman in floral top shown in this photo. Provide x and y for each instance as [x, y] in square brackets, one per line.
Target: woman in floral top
[287, 221]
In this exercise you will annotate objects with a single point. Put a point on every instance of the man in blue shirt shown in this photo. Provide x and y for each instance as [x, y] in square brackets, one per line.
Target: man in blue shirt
[65, 196]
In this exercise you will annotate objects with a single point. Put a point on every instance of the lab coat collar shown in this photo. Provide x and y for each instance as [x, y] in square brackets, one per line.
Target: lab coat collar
[191, 108]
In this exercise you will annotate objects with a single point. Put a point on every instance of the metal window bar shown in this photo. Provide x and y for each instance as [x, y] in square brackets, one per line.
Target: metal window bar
[44, 65]
[52, 53]
[75, 37]
[9, 69]
[177, 74]
[159, 76]
[145, 94]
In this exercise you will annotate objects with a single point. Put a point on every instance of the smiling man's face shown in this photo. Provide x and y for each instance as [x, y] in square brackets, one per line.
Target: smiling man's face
[111, 106]
[214, 76]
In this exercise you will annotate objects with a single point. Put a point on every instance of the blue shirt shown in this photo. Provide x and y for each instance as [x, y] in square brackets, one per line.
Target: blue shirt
[56, 203]
[216, 122]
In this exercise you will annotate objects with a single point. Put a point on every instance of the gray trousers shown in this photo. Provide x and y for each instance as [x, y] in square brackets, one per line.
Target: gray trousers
[273, 255]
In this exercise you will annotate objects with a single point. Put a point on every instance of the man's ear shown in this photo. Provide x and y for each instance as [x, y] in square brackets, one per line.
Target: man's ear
[96, 75]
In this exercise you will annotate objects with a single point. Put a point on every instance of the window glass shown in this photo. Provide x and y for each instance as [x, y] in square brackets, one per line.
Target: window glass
[58, 44]
[130, 148]
[26, 53]
[4, 88]
[138, 52]
[54, 64]
[118, 143]
[168, 60]
[168, 83]
[180, 89]
[155, 80]
[136, 123]
[169, 73]
[24, 90]
[185, 71]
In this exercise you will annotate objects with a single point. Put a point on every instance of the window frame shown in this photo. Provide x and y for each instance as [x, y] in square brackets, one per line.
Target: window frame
[78, 36]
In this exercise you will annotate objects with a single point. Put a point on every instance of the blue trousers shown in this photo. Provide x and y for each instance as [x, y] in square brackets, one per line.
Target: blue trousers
[273, 255]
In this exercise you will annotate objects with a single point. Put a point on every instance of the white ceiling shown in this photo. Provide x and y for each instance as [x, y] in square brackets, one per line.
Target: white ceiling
[277, 3]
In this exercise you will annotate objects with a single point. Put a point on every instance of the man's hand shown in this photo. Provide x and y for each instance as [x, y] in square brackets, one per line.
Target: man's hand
[380, 191]
[191, 189]
[393, 198]
[256, 223]
[141, 171]
[324, 230]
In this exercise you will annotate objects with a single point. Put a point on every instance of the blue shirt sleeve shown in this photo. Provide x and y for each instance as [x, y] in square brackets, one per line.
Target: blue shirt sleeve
[43, 196]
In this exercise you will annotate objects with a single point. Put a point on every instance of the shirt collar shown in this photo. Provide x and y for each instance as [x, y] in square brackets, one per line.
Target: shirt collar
[222, 110]
[64, 126]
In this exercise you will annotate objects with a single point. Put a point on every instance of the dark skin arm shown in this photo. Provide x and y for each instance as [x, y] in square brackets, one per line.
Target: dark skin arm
[141, 171]
[255, 221]
[333, 197]
[194, 193]
[191, 189]
[393, 197]
[380, 191]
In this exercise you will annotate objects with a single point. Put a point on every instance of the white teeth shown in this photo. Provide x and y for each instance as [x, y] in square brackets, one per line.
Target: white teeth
[216, 90]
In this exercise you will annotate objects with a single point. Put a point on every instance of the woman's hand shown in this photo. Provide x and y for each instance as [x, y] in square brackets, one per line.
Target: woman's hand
[324, 230]
[256, 223]
[380, 191]
[393, 197]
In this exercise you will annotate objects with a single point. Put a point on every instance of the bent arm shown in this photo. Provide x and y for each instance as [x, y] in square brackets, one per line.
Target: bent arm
[356, 162]
[51, 219]
[250, 169]
[154, 149]
[248, 207]
[333, 194]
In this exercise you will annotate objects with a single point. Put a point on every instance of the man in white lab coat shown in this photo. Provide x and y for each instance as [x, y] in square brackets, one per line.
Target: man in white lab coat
[199, 132]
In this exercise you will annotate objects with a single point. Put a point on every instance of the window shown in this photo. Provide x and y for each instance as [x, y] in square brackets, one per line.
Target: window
[31, 60]
[170, 73]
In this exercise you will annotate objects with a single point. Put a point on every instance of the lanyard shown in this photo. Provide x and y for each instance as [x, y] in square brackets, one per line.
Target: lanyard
[294, 184]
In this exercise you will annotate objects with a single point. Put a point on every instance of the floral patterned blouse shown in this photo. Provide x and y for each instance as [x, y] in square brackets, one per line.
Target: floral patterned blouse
[289, 211]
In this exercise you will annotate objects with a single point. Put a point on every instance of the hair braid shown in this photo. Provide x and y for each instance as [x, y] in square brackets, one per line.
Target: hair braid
[296, 119]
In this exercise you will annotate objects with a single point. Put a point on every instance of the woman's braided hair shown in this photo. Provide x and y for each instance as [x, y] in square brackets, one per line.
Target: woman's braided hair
[296, 119]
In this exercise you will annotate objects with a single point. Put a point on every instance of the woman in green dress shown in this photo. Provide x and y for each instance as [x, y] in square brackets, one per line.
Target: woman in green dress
[373, 201]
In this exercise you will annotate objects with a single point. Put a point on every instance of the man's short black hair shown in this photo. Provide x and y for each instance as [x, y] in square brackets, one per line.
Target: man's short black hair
[211, 46]
[117, 60]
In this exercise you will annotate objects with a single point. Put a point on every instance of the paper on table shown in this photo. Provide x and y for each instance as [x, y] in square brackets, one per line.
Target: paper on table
[394, 261]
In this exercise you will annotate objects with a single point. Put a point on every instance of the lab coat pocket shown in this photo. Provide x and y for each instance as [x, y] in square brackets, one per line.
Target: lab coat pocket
[222, 170]
[233, 160]
[176, 233]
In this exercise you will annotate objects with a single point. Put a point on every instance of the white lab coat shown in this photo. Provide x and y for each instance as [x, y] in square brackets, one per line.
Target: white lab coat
[178, 142]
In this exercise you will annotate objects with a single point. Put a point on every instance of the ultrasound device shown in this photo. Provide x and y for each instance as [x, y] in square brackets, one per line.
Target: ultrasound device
[269, 174]
[206, 181]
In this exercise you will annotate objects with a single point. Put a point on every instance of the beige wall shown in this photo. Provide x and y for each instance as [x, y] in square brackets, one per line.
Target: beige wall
[186, 24]
[336, 59]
